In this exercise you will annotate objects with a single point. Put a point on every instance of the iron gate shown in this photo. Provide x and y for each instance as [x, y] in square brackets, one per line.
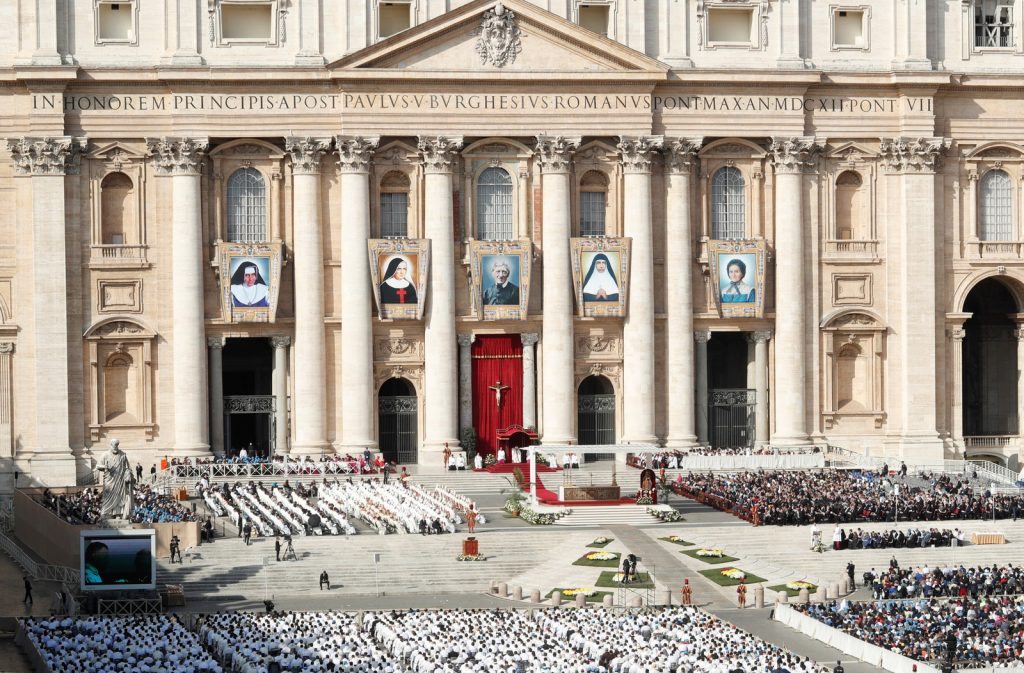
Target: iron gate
[397, 422]
[732, 417]
[596, 417]
[259, 405]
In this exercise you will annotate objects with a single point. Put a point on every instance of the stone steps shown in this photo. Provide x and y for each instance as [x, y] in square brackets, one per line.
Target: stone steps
[599, 516]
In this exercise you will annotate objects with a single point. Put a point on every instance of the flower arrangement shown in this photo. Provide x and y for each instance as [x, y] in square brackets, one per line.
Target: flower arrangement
[797, 586]
[586, 591]
[618, 578]
[710, 553]
[734, 573]
[470, 557]
[676, 539]
[514, 504]
[645, 497]
[668, 516]
[489, 460]
[601, 540]
[541, 519]
[601, 556]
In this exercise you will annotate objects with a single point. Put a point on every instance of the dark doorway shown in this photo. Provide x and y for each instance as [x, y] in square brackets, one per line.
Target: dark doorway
[595, 405]
[397, 414]
[990, 361]
[248, 396]
[731, 402]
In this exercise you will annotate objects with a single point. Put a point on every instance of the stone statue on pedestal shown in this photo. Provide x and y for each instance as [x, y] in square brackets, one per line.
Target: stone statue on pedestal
[118, 483]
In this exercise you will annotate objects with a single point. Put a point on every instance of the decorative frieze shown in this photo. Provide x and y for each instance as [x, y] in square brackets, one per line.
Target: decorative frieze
[554, 153]
[913, 155]
[681, 154]
[438, 153]
[637, 153]
[306, 153]
[178, 156]
[398, 348]
[590, 345]
[355, 153]
[46, 156]
[793, 155]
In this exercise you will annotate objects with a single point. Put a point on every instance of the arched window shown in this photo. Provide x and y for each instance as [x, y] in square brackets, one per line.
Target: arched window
[494, 205]
[247, 206]
[996, 208]
[728, 210]
[849, 211]
[593, 203]
[117, 209]
[394, 205]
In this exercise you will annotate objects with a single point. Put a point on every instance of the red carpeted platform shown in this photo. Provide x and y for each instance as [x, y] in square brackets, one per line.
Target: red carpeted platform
[506, 468]
[551, 498]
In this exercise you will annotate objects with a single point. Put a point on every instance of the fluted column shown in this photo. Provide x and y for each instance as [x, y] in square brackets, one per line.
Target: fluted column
[702, 337]
[680, 159]
[638, 331]
[529, 340]
[438, 156]
[46, 161]
[465, 381]
[915, 163]
[182, 159]
[280, 391]
[310, 385]
[215, 344]
[760, 341]
[790, 156]
[356, 373]
[6, 400]
[554, 156]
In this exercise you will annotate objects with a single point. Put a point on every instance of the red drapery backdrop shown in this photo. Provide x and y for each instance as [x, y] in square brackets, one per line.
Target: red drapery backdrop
[496, 358]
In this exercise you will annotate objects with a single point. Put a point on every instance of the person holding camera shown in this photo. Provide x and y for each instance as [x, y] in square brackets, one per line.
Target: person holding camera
[175, 546]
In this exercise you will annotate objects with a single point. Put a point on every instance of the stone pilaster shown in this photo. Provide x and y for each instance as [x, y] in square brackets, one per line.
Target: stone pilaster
[636, 155]
[182, 159]
[529, 340]
[215, 344]
[438, 156]
[465, 381]
[760, 341]
[790, 157]
[914, 163]
[554, 155]
[702, 337]
[310, 383]
[356, 372]
[280, 391]
[45, 161]
[6, 400]
[956, 336]
[680, 160]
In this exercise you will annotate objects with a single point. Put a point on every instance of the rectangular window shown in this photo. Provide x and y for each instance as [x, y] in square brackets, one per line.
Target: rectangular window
[394, 215]
[730, 26]
[848, 28]
[394, 17]
[594, 18]
[115, 22]
[592, 211]
[993, 24]
[247, 22]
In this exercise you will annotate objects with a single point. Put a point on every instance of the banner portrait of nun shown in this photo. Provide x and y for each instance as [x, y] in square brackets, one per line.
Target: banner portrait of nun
[600, 282]
[248, 282]
[736, 280]
[397, 274]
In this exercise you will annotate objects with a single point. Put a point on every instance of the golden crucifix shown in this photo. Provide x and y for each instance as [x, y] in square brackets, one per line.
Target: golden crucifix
[498, 388]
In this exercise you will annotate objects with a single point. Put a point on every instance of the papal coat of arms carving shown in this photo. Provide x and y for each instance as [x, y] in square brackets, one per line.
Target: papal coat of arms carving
[498, 43]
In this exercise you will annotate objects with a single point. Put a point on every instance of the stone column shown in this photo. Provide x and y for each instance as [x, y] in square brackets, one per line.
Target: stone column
[182, 159]
[530, 379]
[6, 400]
[1019, 333]
[215, 344]
[310, 385]
[438, 156]
[356, 372]
[465, 381]
[680, 159]
[702, 337]
[638, 331]
[554, 156]
[956, 346]
[916, 161]
[280, 390]
[790, 156]
[46, 161]
[760, 341]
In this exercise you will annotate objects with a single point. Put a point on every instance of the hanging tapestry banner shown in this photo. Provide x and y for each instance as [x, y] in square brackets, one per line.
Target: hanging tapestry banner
[501, 278]
[600, 276]
[737, 276]
[399, 269]
[250, 279]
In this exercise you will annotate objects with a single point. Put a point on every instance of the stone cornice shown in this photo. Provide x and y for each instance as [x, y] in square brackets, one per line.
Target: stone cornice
[913, 155]
[637, 152]
[47, 155]
[554, 153]
[681, 154]
[793, 155]
[178, 156]
[306, 153]
[438, 153]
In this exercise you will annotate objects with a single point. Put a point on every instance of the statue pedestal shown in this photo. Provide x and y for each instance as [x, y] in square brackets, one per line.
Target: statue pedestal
[117, 523]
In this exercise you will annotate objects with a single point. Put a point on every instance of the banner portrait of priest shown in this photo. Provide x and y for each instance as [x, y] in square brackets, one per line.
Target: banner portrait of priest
[249, 285]
[501, 280]
[601, 281]
[398, 274]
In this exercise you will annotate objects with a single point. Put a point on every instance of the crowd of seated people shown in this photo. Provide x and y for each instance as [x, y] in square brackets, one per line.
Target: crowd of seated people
[896, 538]
[326, 465]
[801, 497]
[77, 508]
[974, 582]
[674, 459]
[150, 507]
[397, 507]
[987, 631]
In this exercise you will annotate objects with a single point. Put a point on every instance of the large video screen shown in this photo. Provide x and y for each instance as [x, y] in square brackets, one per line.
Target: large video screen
[118, 560]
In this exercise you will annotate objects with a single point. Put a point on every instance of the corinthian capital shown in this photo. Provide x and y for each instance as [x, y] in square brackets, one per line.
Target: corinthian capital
[46, 156]
[913, 155]
[438, 153]
[306, 153]
[792, 155]
[355, 152]
[178, 156]
[681, 154]
[555, 152]
[636, 153]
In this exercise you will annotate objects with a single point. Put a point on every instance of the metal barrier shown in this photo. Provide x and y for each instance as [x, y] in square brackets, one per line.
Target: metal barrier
[126, 607]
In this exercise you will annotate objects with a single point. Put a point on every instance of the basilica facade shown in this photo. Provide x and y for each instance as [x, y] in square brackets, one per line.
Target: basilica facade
[305, 227]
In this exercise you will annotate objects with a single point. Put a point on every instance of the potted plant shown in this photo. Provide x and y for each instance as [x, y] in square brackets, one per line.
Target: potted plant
[514, 501]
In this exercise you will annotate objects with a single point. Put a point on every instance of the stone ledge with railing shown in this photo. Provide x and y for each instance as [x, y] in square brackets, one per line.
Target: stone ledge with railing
[844, 248]
[118, 255]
